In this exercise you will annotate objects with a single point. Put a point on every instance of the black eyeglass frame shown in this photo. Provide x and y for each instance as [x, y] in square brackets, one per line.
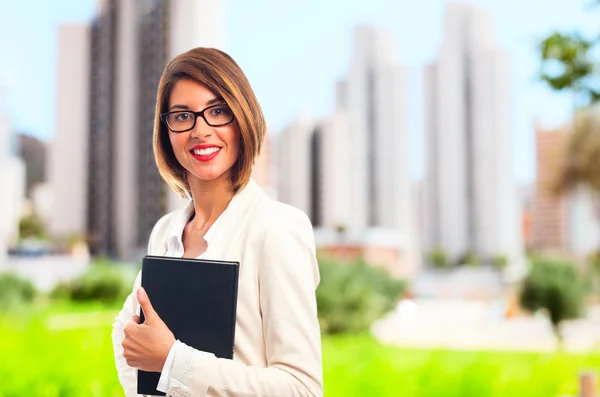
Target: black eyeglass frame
[164, 116]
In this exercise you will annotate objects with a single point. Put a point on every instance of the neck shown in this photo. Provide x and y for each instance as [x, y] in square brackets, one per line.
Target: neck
[210, 199]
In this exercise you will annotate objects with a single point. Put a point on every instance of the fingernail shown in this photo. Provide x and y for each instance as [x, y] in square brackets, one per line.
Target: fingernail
[142, 291]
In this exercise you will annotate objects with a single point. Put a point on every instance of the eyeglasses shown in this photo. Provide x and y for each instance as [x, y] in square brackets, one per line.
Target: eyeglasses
[185, 120]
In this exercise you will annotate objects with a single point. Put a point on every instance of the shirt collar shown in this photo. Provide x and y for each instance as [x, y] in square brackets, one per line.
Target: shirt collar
[181, 219]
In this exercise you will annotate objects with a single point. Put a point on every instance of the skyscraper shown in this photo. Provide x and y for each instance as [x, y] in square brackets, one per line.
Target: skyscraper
[350, 169]
[68, 155]
[471, 199]
[549, 219]
[295, 167]
[12, 178]
[373, 97]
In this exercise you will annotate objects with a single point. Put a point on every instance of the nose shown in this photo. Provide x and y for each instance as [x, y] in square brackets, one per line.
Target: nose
[201, 129]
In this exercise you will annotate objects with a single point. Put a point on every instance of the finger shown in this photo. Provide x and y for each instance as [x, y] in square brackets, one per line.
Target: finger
[144, 301]
[135, 318]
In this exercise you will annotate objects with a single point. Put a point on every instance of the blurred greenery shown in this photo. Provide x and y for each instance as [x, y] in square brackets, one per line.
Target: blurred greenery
[360, 366]
[52, 352]
[31, 226]
[15, 292]
[351, 296]
[499, 261]
[65, 350]
[438, 259]
[103, 282]
[469, 258]
[555, 287]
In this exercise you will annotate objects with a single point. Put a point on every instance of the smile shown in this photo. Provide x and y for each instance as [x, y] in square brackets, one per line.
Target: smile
[205, 154]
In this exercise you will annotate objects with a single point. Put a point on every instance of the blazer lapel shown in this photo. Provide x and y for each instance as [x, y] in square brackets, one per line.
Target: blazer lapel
[233, 221]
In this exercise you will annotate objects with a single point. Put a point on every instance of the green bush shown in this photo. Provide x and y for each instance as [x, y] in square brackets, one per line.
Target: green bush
[438, 259]
[469, 259]
[31, 227]
[557, 288]
[102, 283]
[15, 291]
[352, 296]
[499, 261]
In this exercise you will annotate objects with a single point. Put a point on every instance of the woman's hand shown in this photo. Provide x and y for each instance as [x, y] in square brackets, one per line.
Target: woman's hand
[146, 346]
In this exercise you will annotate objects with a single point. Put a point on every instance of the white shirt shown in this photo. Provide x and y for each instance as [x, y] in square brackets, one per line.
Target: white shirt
[175, 249]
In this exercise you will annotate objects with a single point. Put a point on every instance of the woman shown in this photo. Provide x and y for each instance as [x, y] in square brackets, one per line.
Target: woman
[208, 131]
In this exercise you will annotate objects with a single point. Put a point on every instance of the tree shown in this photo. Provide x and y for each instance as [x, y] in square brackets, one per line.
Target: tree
[555, 287]
[569, 63]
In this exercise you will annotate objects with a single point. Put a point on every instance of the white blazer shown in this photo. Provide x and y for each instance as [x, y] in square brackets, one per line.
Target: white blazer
[277, 338]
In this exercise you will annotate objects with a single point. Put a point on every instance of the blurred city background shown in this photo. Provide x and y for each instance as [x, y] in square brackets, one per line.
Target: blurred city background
[447, 154]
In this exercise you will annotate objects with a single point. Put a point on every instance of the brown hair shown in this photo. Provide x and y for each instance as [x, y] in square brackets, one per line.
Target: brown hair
[218, 72]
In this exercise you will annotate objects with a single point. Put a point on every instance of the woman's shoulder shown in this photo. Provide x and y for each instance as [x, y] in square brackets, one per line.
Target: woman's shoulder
[160, 231]
[274, 215]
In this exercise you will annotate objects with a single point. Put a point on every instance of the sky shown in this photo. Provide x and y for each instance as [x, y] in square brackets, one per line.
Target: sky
[293, 52]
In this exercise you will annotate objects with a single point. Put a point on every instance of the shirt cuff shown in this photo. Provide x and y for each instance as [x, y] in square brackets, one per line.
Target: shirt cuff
[165, 376]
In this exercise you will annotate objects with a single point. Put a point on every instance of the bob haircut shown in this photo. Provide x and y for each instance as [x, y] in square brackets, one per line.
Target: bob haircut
[218, 72]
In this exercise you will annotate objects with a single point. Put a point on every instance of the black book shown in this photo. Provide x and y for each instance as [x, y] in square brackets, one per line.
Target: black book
[197, 299]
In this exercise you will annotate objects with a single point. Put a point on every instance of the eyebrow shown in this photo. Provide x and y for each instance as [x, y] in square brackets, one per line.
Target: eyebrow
[186, 107]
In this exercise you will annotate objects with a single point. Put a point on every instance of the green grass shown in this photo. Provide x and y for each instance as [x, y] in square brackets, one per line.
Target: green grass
[359, 366]
[42, 361]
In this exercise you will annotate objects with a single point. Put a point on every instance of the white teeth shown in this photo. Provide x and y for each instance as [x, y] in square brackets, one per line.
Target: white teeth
[206, 152]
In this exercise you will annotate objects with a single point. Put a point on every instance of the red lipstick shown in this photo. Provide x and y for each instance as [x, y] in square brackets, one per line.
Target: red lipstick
[205, 152]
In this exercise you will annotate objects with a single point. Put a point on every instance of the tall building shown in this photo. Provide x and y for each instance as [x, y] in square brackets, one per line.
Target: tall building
[549, 217]
[12, 178]
[101, 153]
[358, 155]
[33, 151]
[131, 41]
[295, 166]
[471, 198]
[68, 155]
[349, 171]
[373, 97]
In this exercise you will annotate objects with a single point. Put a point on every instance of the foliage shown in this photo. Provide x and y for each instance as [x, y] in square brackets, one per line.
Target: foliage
[582, 161]
[31, 227]
[468, 258]
[352, 296]
[499, 261]
[438, 259]
[569, 62]
[568, 65]
[103, 283]
[15, 291]
[555, 287]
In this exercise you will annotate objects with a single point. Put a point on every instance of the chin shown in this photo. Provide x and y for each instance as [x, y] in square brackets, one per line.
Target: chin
[209, 175]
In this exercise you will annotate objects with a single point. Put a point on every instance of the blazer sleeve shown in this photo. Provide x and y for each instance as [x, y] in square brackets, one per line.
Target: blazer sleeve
[288, 276]
[128, 375]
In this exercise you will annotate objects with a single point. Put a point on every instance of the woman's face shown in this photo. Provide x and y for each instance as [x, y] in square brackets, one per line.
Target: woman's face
[206, 152]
